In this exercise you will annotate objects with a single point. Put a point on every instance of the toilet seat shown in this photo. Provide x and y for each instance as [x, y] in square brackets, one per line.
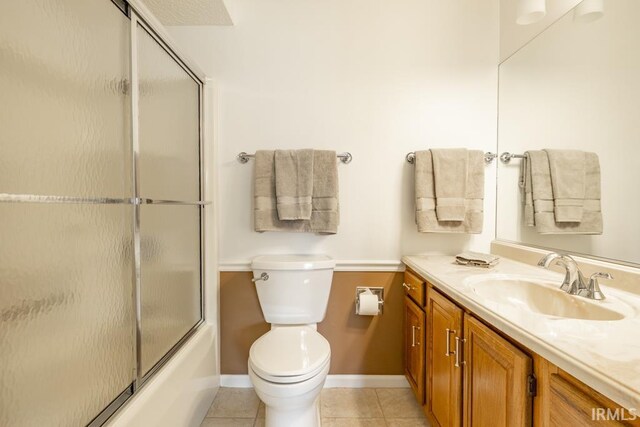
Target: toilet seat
[289, 354]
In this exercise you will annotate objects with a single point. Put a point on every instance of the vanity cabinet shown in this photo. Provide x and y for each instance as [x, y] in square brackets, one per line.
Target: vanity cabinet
[474, 376]
[414, 347]
[414, 334]
[497, 377]
[444, 370]
[415, 288]
[564, 400]
[465, 373]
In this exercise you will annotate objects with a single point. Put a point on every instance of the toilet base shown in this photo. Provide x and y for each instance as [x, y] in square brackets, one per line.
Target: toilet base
[295, 417]
[290, 405]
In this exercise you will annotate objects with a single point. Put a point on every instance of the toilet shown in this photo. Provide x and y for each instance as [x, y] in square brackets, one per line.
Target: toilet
[288, 365]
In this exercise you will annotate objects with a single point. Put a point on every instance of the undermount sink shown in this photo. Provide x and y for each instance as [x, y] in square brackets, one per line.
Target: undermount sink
[545, 298]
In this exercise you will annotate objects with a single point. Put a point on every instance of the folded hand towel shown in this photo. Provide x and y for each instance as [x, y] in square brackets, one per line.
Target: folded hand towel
[294, 183]
[537, 188]
[325, 215]
[450, 178]
[426, 217]
[539, 197]
[477, 259]
[324, 212]
[568, 182]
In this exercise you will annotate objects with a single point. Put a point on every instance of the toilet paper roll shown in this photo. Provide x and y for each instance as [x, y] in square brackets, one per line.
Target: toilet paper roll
[368, 304]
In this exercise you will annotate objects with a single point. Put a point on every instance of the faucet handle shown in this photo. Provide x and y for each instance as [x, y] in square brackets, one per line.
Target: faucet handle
[593, 290]
[574, 282]
[595, 276]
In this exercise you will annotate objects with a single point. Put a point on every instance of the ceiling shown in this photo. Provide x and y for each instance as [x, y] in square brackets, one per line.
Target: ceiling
[190, 12]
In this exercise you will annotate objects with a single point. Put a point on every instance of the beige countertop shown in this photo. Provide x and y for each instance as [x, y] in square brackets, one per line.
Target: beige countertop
[603, 354]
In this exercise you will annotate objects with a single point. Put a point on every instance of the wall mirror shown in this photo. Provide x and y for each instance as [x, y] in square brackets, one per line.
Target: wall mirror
[576, 86]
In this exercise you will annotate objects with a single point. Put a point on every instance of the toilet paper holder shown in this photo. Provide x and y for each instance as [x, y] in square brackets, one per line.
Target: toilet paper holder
[375, 290]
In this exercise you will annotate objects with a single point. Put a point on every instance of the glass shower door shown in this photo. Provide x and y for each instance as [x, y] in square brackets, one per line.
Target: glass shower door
[67, 315]
[100, 209]
[169, 182]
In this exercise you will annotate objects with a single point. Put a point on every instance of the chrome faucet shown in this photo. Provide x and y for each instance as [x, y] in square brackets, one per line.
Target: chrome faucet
[573, 281]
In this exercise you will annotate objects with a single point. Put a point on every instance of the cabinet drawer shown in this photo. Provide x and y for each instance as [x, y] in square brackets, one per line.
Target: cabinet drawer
[414, 287]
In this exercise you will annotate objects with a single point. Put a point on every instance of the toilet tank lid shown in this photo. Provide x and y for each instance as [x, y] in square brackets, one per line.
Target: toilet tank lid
[292, 262]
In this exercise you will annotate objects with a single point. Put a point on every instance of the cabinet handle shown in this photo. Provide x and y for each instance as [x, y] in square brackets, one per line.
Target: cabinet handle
[407, 287]
[413, 335]
[457, 352]
[448, 332]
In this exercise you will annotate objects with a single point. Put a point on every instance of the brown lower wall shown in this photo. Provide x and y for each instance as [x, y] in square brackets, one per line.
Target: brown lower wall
[359, 344]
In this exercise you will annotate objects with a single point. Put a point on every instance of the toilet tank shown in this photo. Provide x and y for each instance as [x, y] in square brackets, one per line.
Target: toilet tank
[297, 290]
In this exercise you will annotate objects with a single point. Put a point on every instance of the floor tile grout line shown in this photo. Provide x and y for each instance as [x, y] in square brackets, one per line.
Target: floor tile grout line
[376, 391]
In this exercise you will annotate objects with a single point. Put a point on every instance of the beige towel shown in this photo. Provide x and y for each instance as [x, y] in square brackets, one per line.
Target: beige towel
[477, 259]
[324, 211]
[450, 179]
[325, 215]
[539, 197]
[568, 183]
[426, 217]
[294, 183]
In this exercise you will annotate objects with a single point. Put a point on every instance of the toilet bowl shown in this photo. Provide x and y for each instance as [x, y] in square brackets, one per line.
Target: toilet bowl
[287, 367]
[289, 364]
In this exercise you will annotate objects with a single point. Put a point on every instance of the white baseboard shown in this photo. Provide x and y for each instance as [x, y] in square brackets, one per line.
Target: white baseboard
[366, 381]
[333, 381]
[236, 381]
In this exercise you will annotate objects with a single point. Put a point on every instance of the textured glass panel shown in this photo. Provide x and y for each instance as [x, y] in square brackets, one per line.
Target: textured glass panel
[169, 125]
[170, 277]
[66, 311]
[64, 111]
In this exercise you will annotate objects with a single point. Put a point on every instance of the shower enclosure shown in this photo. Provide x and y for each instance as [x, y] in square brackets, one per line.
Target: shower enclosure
[101, 208]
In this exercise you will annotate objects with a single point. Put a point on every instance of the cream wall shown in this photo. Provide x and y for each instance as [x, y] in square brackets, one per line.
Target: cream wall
[376, 78]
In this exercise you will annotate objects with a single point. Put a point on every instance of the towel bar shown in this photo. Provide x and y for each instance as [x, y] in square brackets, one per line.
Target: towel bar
[507, 156]
[488, 157]
[345, 157]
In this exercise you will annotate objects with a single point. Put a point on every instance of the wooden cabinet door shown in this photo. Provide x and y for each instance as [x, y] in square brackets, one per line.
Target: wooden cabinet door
[562, 400]
[444, 378]
[496, 383]
[414, 343]
[571, 406]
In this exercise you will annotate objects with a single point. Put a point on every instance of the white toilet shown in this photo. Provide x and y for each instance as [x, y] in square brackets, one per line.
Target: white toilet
[288, 364]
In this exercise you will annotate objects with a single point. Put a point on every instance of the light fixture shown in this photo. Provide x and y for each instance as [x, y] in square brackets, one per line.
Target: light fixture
[530, 11]
[588, 11]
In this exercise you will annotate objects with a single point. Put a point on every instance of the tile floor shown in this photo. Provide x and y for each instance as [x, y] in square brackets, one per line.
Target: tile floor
[339, 407]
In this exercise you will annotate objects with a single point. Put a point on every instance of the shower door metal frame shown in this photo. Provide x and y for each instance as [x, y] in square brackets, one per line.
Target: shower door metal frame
[139, 15]
[143, 20]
